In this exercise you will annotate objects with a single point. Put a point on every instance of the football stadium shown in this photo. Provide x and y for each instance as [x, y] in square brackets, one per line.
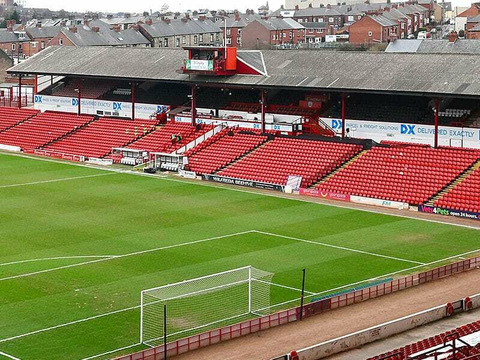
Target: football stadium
[214, 203]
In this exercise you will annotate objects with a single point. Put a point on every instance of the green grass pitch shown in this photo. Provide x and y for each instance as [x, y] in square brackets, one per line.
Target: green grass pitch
[74, 244]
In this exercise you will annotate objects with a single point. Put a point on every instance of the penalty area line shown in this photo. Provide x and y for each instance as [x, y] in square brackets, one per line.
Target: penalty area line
[340, 247]
[9, 356]
[125, 255]
[58, 258]
[55, 180]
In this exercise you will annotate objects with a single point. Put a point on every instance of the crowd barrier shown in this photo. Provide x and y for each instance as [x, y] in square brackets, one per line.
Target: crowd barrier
[291, 315]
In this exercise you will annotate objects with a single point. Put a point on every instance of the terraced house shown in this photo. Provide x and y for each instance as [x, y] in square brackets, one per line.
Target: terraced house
[181, 32]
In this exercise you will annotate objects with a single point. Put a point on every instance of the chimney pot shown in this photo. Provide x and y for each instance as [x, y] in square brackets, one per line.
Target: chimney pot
[452, 37]
[95, 29]
[73, 29]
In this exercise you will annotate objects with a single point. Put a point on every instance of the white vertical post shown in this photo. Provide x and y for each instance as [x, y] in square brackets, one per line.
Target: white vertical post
[249, 289]
[141, 317]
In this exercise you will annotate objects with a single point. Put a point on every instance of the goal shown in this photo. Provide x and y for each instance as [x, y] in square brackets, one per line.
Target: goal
[203, 303]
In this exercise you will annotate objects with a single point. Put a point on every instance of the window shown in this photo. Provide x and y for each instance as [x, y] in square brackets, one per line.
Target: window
[331, 19]
[321, 31]
[310, 31]
[177, 42]
[211, 38]
[34, 44]
[239, 40]
[165, 42]
[350, 18]
[60, 41]
[14, 47]
[184, 39]
[402, 25]
[201, 38]
[42, 45]
[229, 31]
[195, 39]
[273, 37]
[320, 20]
[229, 41]
[370, 33]
[239, 32]
[291, 34]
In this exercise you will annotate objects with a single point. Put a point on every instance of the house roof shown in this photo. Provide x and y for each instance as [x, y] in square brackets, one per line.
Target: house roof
[105, 37]
[394, 73]
[43, 32]
[460, 46]
[7, 36]
[180, 27]
[273, 24]
[382, 20]
[233, 23]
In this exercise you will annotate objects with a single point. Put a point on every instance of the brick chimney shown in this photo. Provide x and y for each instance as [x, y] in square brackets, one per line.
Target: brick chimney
[63, 23]
[149, 21]
[167, 20]
[116, 28]
[95, 29]
[136, 27]
[184, 20]
[73, 29]
[296, 7]
[202, 18]
[237, 16]
[452, 37]
[39, 25]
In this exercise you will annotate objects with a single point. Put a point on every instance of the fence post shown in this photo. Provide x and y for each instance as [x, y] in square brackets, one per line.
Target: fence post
[165, 332]
[303, 294]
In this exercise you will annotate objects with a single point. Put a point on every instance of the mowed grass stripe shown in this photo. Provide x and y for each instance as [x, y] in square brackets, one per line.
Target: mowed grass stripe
[126, 277]
[123, 214]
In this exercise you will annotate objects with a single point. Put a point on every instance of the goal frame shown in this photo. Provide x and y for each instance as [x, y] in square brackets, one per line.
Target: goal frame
[184, 282]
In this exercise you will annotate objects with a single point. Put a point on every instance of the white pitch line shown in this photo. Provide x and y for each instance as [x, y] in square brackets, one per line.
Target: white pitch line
[341, 248]
[258, 193]
[125, 255]
[54, 180]
[9, 356]
[57, 258]
[310, 295]
[68, 324]
[112, 351]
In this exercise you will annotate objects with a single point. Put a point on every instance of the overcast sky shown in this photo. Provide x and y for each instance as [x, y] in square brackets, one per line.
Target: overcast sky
[142, 5]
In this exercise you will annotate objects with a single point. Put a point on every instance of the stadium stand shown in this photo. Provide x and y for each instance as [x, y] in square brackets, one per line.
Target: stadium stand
[42, 129]
[220, 151]
[460, 343]
[384, 108]
[464, 196]
[93, 89]
[408, 174]
[101, 136]
[160, 140]
[281, 157]
[10, 117]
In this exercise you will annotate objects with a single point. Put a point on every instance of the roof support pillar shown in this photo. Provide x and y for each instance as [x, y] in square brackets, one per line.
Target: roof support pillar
[344, 101]
[79, 100]
[436, 108]
[133, 100]
[264, 108]
[194, 105]
[19, 91]
[35, 85]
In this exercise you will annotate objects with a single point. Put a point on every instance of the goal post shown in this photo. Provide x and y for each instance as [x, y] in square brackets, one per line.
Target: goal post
[203, 303]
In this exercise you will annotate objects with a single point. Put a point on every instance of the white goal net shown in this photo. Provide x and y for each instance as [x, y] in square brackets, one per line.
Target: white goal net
[203, 303]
